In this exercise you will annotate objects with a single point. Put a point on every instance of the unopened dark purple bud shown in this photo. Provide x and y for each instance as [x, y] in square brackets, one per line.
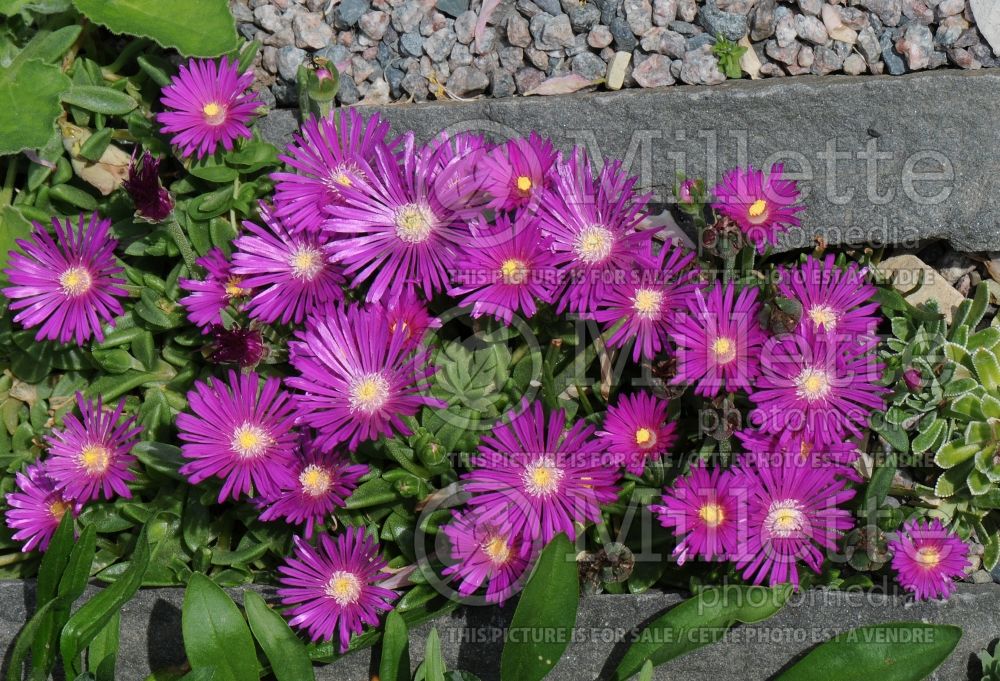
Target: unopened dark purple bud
[237, 346]
[152, 201]
[913, 379]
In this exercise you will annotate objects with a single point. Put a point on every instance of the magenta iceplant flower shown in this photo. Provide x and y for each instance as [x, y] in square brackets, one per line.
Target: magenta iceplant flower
[647, 301]
[208, 297]
[409, 314]
[719, 340]
[833, 298]
[636, 430]
[67, 286]
[485, 551]
[322, 483]
[240, 432]
[763, 206]
[825, 384]
[837, 456]
[593, 224]
[206, 104]
[705, 509]
[333, 587]
[506, 271]
[36, 507]
[357, 377]
[153, 202]
[401, 226]
[288, 272]
[793, 514]
[517, 173]
[541, 477]
[90, 457]
[324, 156]
[928, 558]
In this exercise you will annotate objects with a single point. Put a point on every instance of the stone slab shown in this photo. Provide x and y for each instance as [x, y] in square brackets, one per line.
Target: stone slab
[884, 159]
[471, 638]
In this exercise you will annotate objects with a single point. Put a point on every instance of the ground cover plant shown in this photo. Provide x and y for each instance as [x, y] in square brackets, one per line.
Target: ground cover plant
[392, 376]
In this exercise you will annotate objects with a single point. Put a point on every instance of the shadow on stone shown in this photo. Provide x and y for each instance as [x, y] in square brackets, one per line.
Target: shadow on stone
[164, 639]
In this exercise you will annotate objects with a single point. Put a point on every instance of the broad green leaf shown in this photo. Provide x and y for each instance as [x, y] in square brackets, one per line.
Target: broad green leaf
[196, 28]
[548, 603]
[929, 437]
[987, 368]
[102, 654]
[433, 667]
[898, 651]
[215, 633]
[51, 573]
[50, 46]
[18, 655]
[160, 457]
[394, 664]
[13, 226]
[955, 452]
[284, 650]
[879, 484]
[29, 104]
[991, 555]
[87, 622]
[698, 621]
[647, 672]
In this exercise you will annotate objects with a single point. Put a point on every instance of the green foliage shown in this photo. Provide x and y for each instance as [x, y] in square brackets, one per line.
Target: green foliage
[729, 54]
[215, 633]
[899, 651]
[990, 664]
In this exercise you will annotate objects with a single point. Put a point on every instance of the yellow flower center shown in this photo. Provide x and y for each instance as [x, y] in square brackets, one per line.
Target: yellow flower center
[215, 114]
[315, 480]
[711, 514]
[513, 271]
[497, 550]
[928, 557]
[58, 508]
[594, 244]
[250, 440]
[340, 176]
[757, 208]
[368, 393]
[414, 223]
[542, 477]
[75, 281]
[824, 317]
[343, 587]
[647, 303]
[645, 438]
[784, 518]
[813, 384]
[523, 183]
[306, 263]
[94, 459]
[234, 289]
[724, 350]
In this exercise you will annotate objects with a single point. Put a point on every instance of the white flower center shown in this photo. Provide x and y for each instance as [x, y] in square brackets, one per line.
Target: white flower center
[514, 271]
[813, 384]
[343, 587]
[928, 557]
[369, 393]
[340, 176]
[712, 514]
[250, 440]
[785, 519]
[414, 223]
[75, 281]
[94, 458]
[315, 480]
[497, 549]
[724, 350]
[542, 477]
[824, 317]
[647, 303]
[306, 263]
[594, 244]
[214, 113]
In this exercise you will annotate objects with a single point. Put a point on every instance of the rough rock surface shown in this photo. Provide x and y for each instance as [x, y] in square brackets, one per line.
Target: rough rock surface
[151, 633]
[871, 153]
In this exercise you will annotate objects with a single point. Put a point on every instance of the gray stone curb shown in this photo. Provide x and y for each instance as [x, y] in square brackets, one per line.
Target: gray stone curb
[471, 637]
[866, 148]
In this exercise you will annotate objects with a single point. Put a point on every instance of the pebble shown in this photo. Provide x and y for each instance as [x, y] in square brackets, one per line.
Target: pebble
[374, 24]
[639, 14]
[950, 30]
[616, 70]
[460, 56]
[784, 32]
[517, 31]
[268, 18]
[948, 8]
[453, 8]
[701, 67]
[412, 44]
[868, 45]
[511, 58]
[664, 41]
[893, 62]
[467, 81]
[812, 7]
[557, 31]
[825, 61]
[653, 72]
[528, 78]
[664, 11]
[589, 65]
[438, 45]
[624, 39]
[599, 37]
[465, 27]
[786, 55]
[721, 24]
[350, 11]
[764, 21]
[549, 6]
[811, 29]
[583, 17]
[854, 65]
[289, 58]
[406, 17]
[917, 46]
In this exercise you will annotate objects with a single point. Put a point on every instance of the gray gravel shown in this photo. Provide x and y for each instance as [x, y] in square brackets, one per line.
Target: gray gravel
[391, 50]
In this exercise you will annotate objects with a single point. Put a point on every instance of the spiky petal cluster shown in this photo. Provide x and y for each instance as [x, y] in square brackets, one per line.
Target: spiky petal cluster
[517, 173]
[834, 299]
[484, 550]
[240, 432]
[152, 201]
[287, 271]
[928, 558]
[358, 377]
[325, 155]
[36, 507]
[762, 205]
[540, 477]
[647, 301]
[719, 340]
[507, 268]
[593, 226]
[206, 104]
[636, 430]
[90, 456]
[333, 587]
[208, 297]
[67, 286]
